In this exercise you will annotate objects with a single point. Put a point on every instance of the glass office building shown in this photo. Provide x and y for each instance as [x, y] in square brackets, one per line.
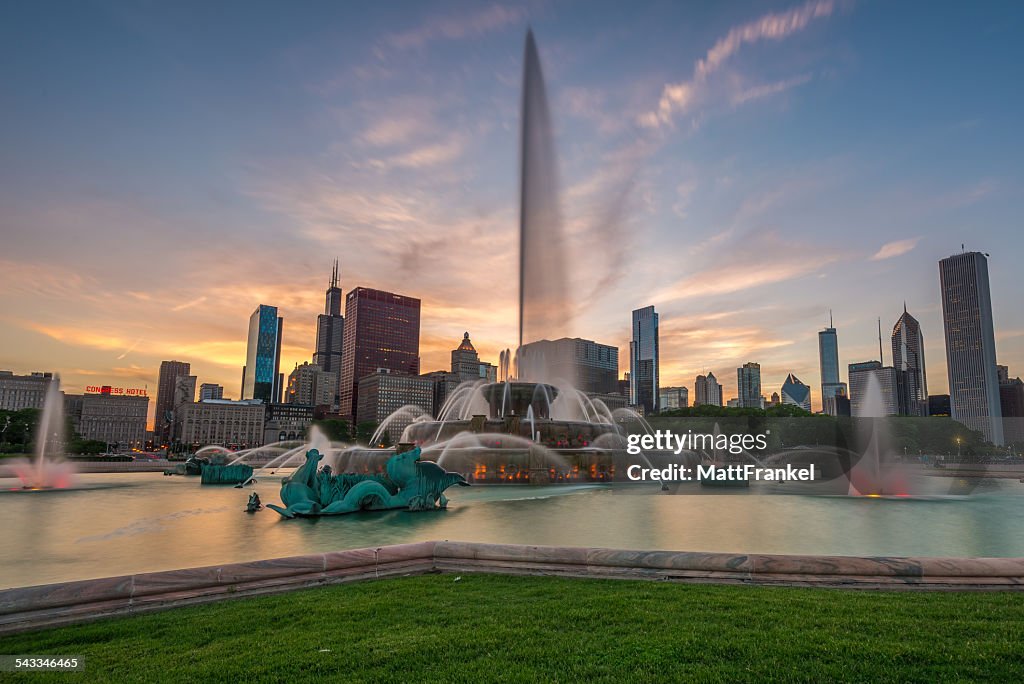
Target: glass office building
[828, 359]
[261, 376]
[748, 384]
[643, 360]
[908, 357]
[796, 393]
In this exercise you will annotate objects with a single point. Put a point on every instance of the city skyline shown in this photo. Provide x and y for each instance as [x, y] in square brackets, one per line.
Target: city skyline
[740, 114]
[334, 293]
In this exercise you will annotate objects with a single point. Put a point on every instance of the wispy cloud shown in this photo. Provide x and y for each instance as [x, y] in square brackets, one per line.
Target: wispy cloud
[389, 131]
[454, 27]
[189, 304]
[752, 260]
[769, 89]
[895, 248]
[129, 350]
[683, 96]
[424, 156]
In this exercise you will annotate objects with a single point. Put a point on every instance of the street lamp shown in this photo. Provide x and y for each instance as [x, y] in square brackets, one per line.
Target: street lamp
[958, 447]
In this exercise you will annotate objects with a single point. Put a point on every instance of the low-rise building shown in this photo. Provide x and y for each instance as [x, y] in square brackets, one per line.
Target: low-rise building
[938, 405]
[612, 401]
[73, 411]
[588, 365]
[232, 424]
[444, 385]
[1011, 401]
[19, 392]
[837, 403]
[384, 392]
[673, 398]
[118, 420]
[286, 422]
[211, 390]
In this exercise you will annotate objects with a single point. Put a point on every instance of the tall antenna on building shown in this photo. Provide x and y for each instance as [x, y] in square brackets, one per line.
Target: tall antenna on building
[830, 319]
[334, 274]
[880, 356]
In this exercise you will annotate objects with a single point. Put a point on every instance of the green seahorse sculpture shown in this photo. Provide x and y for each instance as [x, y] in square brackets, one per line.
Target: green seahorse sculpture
[407, 483]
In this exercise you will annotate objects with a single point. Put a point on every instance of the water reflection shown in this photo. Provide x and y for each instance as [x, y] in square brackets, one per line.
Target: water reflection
[145, 522]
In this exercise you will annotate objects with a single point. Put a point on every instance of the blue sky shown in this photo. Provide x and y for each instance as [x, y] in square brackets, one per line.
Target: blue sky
[745, 167]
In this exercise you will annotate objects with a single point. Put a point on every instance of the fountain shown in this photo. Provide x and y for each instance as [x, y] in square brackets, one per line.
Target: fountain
[532, 426]
[873, 474]
[48, 469]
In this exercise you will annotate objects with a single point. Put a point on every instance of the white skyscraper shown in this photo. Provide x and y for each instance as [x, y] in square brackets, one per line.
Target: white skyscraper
[970, 344]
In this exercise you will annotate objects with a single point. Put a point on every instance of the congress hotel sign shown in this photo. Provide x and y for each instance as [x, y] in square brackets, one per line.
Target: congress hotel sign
[116, 391]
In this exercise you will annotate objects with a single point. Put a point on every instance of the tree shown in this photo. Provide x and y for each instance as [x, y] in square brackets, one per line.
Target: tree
[86, 446]
[364, 431]
[18, 430]
[335, 429]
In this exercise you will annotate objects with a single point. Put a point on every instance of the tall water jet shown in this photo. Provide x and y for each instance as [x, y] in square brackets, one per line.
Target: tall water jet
[534, 426]
[544, 311]
[47, 470]
[873, 474]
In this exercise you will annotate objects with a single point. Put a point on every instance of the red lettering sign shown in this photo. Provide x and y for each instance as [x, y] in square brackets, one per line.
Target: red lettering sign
[116, 391]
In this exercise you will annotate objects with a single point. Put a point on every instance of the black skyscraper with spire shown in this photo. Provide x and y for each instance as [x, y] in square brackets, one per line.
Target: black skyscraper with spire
[330, 332]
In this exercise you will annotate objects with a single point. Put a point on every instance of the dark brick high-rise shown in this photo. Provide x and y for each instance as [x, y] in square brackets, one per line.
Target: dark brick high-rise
[169, 373]
[382, 330]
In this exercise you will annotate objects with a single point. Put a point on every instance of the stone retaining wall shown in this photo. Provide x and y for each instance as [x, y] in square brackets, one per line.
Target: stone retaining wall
[70, 602]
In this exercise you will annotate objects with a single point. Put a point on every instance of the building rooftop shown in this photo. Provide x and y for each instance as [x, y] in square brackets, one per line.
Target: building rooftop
[466, 345]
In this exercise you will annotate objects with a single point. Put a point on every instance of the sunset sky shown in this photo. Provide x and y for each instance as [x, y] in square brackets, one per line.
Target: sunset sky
[745, 167]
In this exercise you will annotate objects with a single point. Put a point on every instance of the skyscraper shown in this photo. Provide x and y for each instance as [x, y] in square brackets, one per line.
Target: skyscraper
[828, 358]
[261, 375]
[330, 333]
[308, 385]
[970, 343]
[382, 330]
[908, 357]
[796, 393]
[748, 383]
[862, 404]
[707, 391]
[170, 371]
[643, 360]
[467, 365]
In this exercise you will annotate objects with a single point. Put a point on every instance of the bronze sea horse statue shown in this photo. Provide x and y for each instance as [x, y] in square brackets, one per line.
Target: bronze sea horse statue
[407, 483]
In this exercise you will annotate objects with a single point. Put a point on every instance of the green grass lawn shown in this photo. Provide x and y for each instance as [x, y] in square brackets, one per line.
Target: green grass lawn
[495, 628]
